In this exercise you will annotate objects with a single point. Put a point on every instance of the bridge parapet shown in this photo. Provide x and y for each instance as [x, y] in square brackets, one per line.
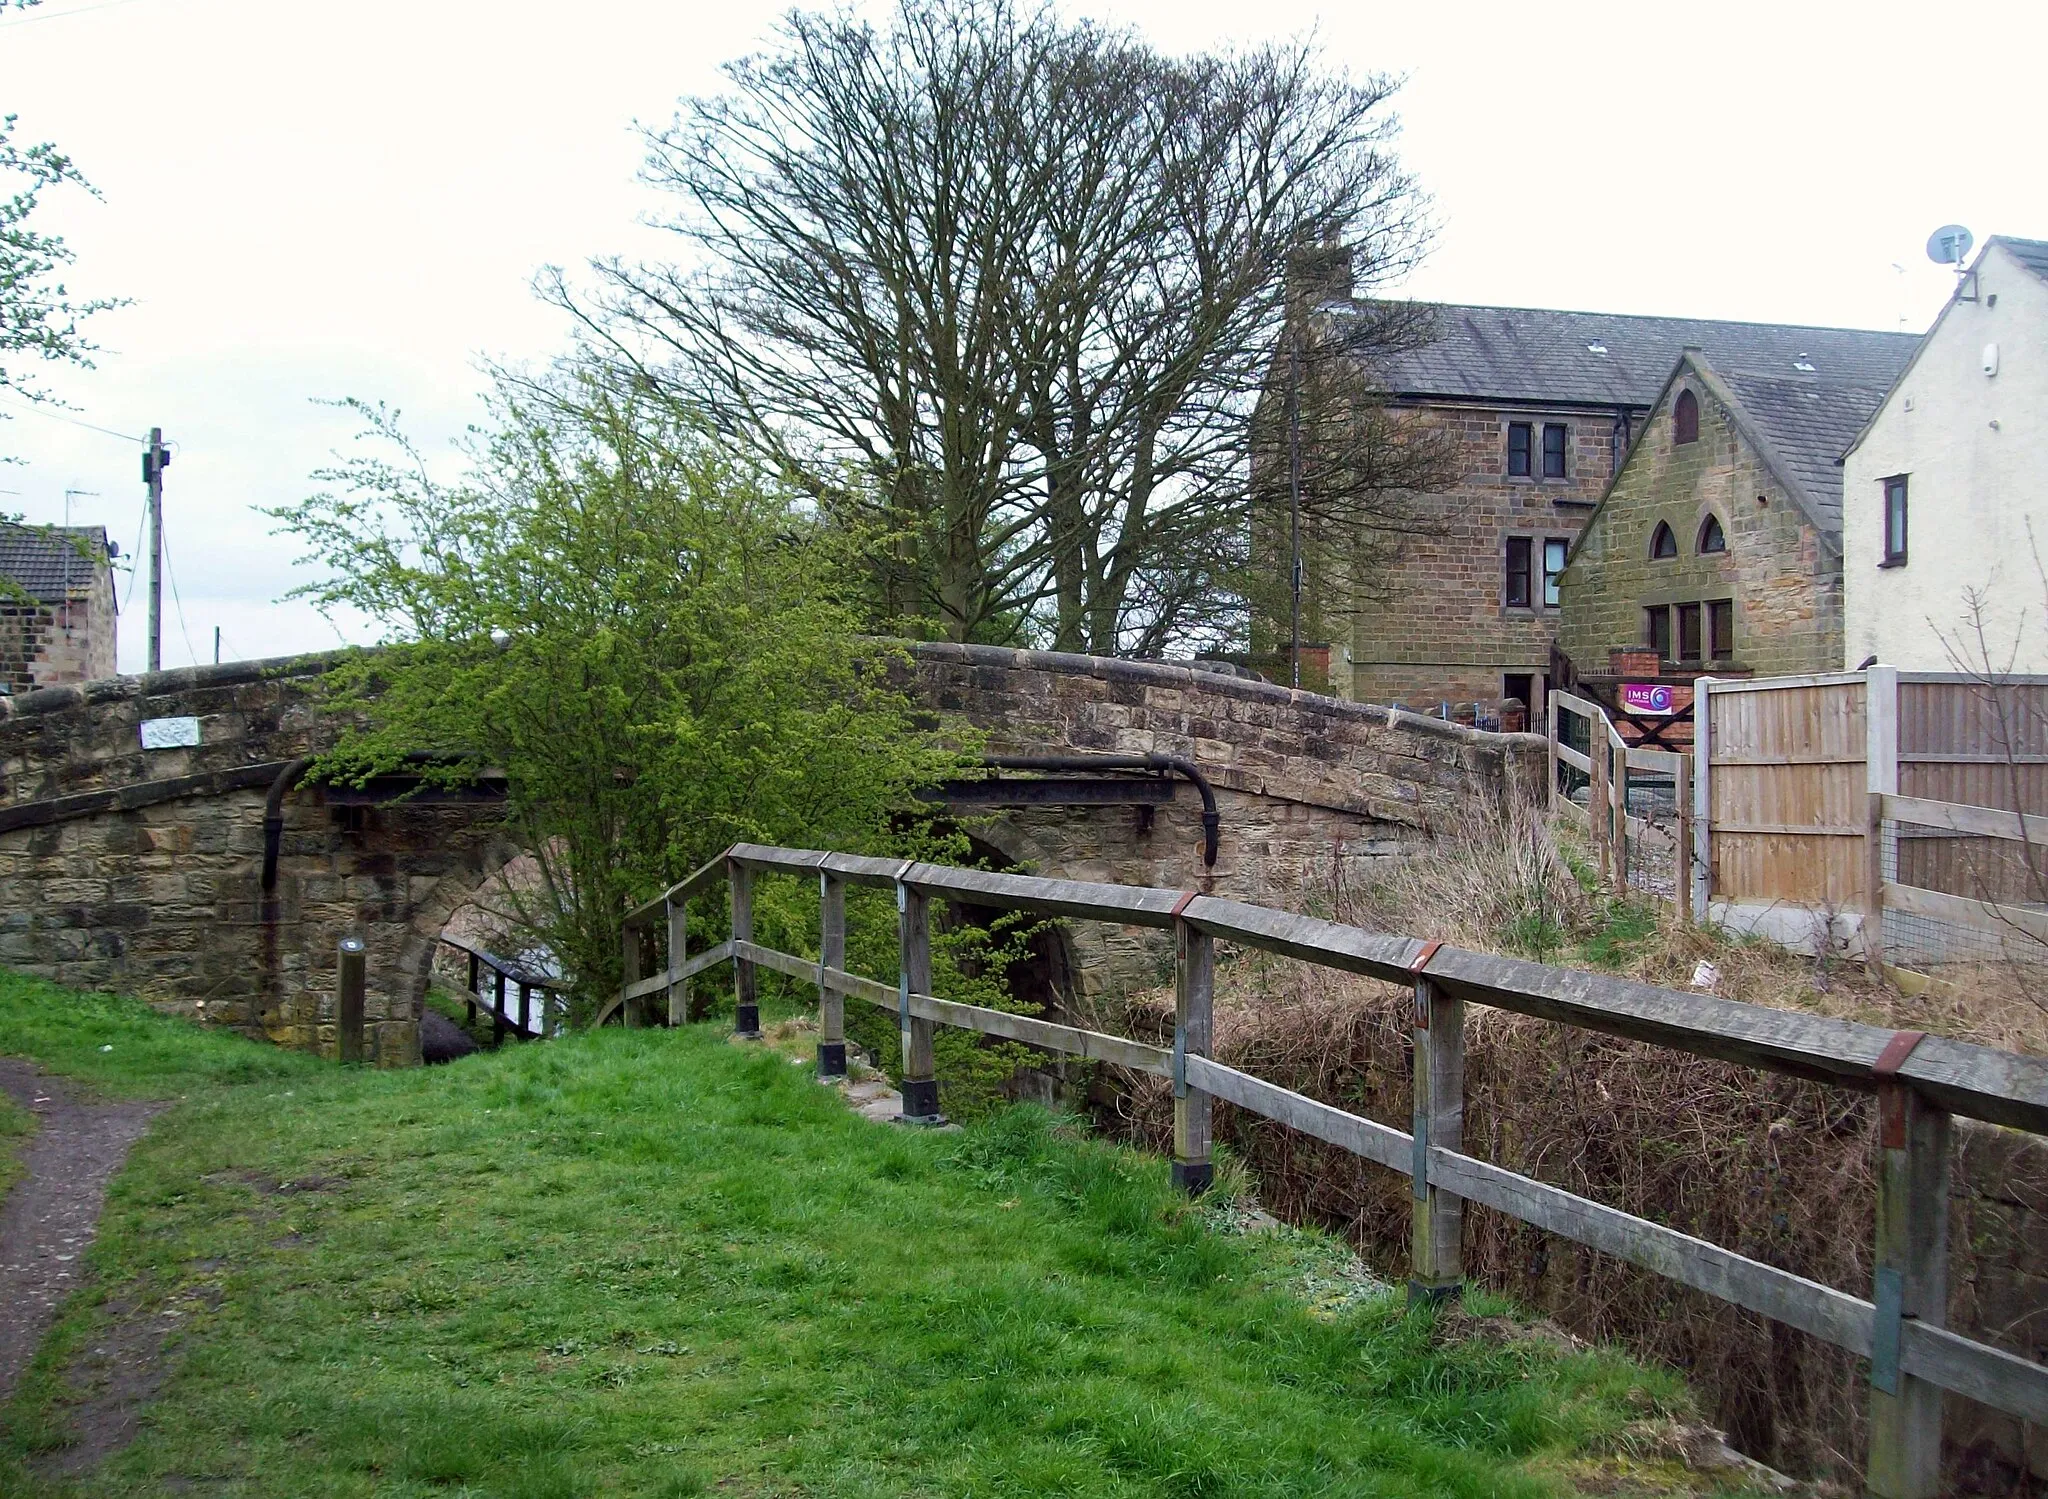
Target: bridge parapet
[138, 868]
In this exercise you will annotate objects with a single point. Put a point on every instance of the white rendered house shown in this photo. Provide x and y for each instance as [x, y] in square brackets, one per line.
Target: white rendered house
[1945, 493]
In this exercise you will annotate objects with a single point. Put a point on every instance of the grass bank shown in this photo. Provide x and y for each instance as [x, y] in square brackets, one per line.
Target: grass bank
[658, 1264]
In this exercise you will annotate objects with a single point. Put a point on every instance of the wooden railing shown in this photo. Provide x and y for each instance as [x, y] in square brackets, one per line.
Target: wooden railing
[2027, 923]
[528, 1024]
[1921, 1081]
[1606, 768]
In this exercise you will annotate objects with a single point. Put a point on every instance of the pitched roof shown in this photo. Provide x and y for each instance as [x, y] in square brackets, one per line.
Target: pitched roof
[1807, 423]
[40, 560]
[2031, 253]
[1538, 355]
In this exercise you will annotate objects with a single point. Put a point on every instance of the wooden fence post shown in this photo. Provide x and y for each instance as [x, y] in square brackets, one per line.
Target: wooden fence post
[1702, 882]
[498, 1026]
[1550, 733]
[472, 988]
[1618, 812]
[1436, 1259]
[525, 1009]
[1911, 1281]
[352, 979]
[1881, 779]
[746, 1010]
[1194, 989]
[1599, 810]
[914, 976]
[1681, 874]
[831, 954]
[678, 954]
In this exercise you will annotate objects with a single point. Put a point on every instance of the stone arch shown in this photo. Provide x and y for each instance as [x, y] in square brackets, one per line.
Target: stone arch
[431, 914]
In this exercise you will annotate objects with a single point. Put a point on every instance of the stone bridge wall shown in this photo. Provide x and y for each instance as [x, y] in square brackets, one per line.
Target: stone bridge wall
[151, 882]
[1314, 791]
[160, 895]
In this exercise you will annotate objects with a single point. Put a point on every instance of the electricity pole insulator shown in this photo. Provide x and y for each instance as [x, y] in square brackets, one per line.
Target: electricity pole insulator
[155, 459]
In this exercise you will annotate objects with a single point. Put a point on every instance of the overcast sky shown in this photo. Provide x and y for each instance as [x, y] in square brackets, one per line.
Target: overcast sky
[322, 201]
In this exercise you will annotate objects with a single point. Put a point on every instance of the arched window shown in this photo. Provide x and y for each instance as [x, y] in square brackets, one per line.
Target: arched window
[1662, 543]
[1712, 538]
[1685, 418]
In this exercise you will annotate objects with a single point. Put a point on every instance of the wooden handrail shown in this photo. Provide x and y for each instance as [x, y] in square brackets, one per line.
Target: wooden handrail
[1941, 1076]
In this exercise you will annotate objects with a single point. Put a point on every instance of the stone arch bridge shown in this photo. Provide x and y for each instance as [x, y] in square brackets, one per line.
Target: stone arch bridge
[132, 821]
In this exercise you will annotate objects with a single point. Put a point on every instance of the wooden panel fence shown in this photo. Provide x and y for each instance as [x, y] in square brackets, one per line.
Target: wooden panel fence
[1910, 800]
[1920, 1082]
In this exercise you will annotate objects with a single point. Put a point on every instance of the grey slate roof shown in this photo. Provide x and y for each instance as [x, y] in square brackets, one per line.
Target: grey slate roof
[1538, 355]
[2031, 253]
[38, 559]
[1808, 391]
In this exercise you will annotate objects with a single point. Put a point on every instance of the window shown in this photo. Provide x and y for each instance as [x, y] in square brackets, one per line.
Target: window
[1663, 545]
[1894, 521]
[1553, 450]
[1712, 537]
[1685, 418]
[1555, 551]
[1518, 450]
[1657, 626]
[1519, 686]
[1688, 632]
[1516, 592]
[1721, 630]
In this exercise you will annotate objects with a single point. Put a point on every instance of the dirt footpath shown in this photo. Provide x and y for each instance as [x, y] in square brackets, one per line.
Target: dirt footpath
[48, 1220]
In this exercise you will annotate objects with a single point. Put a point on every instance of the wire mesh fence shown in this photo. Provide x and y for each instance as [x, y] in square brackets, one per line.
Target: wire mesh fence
[2003, 882]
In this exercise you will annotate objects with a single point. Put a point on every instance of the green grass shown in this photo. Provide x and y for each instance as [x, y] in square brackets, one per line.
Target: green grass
[16, 1124]
[654, 1263]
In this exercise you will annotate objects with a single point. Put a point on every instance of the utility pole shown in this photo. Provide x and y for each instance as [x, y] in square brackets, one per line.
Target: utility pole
[1294, 497]
[155, 459]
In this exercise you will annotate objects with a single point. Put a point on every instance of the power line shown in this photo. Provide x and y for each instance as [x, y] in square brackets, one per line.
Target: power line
[57, 416]
[61, 15]
[176, 602]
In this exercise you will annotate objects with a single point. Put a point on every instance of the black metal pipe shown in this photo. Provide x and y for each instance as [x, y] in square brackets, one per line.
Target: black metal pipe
[273, 816]
[1212, 820]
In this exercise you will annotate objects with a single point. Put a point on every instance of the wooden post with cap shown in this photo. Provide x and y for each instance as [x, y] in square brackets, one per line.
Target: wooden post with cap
[1437, 1217]
[1910, 1279]
[351, 974]
[746, 1009]
[831, 954]
[914, 976]
[1194, 990]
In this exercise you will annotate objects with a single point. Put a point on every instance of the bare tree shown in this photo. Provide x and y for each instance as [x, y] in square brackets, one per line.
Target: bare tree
[1335, 459]
[1006, 287]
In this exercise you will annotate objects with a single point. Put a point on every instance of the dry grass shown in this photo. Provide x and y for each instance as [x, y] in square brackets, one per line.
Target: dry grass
[1775, 1168]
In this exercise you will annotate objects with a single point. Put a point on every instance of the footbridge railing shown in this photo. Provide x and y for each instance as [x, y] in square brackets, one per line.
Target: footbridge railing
[543, 1001]
[1921, 1082]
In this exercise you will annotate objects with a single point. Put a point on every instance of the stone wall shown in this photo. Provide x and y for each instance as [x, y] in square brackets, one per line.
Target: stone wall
[49, 644]
[1785, 579]
[1443, 629]
[1313, 791]
[161, 896]
[156, 888]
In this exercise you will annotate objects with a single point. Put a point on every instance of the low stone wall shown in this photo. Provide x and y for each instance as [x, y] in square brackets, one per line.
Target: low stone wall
[161, 896]
[155, 887]
[1314, 792]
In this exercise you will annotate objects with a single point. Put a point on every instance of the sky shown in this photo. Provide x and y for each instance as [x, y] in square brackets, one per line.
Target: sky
[305, 203]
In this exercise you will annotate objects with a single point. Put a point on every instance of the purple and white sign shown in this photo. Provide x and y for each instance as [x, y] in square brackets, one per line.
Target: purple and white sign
[1649, 698]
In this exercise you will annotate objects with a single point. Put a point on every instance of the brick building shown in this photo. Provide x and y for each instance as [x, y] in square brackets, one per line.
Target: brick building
[56, 606]
[1542, 406]
[1719, 544]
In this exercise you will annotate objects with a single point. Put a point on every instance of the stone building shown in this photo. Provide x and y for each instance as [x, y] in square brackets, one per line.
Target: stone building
[1542, 407]
[56, 606]
[1945, 493]
[1719, 544]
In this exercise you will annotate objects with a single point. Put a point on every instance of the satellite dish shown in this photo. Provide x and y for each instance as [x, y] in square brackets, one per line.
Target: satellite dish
[1949, 244]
